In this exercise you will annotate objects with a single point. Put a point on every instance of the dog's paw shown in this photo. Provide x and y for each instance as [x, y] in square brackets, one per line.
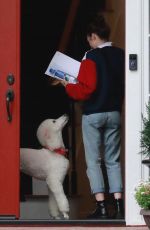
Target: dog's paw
[55, 218]
[65, 215]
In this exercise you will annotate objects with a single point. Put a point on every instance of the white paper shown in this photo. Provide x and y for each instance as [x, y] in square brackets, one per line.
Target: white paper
[63, 67]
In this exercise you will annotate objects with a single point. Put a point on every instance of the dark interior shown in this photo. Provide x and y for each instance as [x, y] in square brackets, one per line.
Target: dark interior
[42, 25]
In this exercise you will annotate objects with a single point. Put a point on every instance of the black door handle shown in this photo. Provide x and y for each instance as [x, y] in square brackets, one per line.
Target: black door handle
[9, 99]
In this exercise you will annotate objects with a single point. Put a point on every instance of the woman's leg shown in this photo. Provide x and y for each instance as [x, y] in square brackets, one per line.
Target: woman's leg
[112, 152]
[92, 142]
[112, 160]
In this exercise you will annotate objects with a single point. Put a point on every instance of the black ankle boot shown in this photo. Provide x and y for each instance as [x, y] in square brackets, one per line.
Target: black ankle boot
[100, 212]
[119, 209]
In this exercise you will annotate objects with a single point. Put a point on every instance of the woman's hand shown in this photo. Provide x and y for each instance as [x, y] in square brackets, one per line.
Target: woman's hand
[64, 83]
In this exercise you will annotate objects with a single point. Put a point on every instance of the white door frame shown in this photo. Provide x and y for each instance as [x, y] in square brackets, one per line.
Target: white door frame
[137, 42]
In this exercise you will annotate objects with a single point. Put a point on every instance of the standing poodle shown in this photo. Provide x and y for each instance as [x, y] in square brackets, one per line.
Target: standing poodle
[49, 164]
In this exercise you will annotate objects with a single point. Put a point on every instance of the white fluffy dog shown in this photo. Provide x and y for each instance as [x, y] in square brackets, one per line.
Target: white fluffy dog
[50, 164]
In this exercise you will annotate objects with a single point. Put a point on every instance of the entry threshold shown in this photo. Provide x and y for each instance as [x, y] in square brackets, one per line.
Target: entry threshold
[62, 222]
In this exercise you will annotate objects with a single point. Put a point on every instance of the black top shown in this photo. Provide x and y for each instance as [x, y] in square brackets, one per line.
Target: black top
[109, 93]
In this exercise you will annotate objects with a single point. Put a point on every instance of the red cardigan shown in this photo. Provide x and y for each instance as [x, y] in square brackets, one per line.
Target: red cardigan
[86, 81]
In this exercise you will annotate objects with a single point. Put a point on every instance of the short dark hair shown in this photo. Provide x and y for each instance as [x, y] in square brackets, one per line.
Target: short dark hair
[99, 26]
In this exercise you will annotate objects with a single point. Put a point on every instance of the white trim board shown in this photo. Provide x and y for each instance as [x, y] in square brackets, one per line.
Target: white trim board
[136, 91]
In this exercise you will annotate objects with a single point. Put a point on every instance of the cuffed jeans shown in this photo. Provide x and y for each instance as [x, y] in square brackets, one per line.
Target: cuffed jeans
[92, 126]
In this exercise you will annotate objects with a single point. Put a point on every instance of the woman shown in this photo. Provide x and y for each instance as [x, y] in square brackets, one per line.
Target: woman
[101, 88]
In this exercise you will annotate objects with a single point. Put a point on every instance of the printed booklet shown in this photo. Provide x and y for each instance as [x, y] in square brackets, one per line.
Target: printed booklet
[63, 67]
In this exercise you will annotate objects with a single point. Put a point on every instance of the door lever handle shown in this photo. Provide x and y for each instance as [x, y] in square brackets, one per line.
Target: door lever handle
[9, 98]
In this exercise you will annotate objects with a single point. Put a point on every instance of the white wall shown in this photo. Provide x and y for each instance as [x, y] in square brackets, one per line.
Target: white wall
[135, 97]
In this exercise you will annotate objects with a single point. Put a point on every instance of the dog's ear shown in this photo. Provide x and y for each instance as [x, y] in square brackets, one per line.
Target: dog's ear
[46, 134]
[42, 133]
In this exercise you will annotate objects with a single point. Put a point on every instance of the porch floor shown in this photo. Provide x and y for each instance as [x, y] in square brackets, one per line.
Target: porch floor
[74, 228]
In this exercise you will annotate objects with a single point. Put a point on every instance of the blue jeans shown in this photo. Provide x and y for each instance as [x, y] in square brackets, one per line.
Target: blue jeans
[93, 126]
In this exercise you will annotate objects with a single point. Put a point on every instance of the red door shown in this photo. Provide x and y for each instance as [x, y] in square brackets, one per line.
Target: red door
[9, 107]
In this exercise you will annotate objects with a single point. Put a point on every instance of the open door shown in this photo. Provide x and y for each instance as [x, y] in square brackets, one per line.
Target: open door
[9, 107]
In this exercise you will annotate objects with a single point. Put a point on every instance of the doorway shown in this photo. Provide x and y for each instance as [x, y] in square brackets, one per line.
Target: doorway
[42, 26]
[39, 101]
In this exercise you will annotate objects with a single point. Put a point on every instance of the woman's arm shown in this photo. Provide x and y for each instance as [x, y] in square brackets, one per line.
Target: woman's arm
[86, 81]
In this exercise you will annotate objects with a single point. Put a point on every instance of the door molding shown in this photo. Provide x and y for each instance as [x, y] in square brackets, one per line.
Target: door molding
[135, 101]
